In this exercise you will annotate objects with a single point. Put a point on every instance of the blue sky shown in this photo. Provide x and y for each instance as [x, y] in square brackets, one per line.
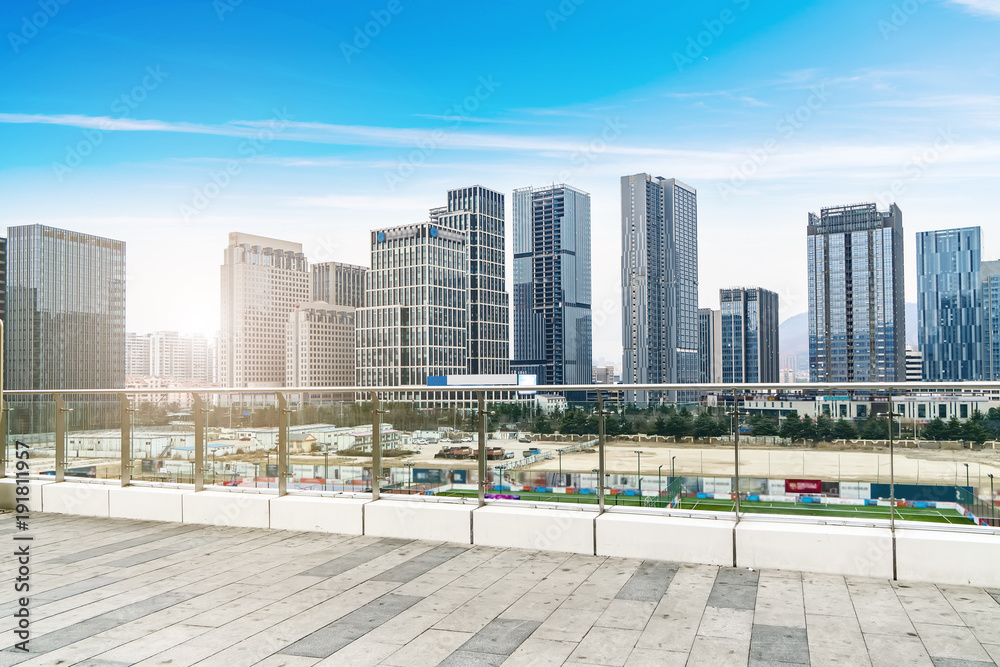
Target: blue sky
[170, 124]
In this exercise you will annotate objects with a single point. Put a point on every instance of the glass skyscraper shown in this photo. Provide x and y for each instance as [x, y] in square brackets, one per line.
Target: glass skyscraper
[65, 325]
[659, 283]
[950, 304]
[749, 335]
[479, 212]
[553, 335]
[856, 310]
[990, 274]
[414, 323]
[709, 345]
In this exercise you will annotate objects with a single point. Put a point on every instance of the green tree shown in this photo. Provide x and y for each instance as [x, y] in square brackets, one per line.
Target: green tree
[875, 429]
[680, 424]
[542, 425]
[659, 426]
[807, 429]
[706, 426]
[791, 426]
[844, 430]
[954, 429]
[824, 428]
[936, 430]
[974, 430]
[761, 425]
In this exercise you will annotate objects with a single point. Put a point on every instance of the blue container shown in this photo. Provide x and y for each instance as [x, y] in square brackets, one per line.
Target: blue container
[753, 497]
[702, 496]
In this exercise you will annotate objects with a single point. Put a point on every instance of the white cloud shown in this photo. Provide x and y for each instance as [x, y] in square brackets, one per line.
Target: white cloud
[980, 7]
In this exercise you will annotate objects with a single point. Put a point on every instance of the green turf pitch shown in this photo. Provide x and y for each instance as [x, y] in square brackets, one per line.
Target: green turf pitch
[719, 505]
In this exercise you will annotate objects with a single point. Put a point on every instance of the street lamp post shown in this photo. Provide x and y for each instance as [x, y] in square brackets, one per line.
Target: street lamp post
[560, 465]
[993, 506]
[326, 466]
[638, 471]
[659, 486]
[966, 473]
[409, 477]
[892, 480]
[672, 459]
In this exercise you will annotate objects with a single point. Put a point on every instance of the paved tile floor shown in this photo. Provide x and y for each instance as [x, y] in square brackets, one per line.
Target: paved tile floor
[114, 592]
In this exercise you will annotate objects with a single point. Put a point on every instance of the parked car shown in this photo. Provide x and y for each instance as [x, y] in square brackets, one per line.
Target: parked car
[524, 439]
[509, 455]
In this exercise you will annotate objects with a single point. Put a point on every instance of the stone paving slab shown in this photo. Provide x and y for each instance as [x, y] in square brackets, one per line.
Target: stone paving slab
[112, 593]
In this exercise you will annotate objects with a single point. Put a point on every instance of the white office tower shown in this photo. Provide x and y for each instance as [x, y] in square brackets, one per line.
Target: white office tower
[320, 346]
[414, 324]
[262, 281]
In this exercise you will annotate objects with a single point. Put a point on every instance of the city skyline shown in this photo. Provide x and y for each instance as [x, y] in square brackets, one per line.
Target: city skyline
[894, 103]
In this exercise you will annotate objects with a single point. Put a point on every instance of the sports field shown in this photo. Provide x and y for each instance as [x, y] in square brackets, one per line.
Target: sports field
[717, 505]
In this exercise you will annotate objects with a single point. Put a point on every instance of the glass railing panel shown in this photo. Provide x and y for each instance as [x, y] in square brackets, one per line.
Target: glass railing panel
[162, 437]
[31, 420]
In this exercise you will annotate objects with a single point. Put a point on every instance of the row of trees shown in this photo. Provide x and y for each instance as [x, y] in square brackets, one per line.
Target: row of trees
[978, 428]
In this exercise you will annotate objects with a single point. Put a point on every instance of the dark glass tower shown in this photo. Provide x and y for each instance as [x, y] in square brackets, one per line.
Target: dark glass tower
[659, 282]
[749, 335]
[553, 335]
[950, 304]
[856, 310]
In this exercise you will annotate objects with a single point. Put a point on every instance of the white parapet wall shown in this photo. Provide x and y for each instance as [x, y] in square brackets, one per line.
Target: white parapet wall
[9, 495]
[862, 551]
[227, 508]
[569, 530]
[83, 499]
[420, 520]
[679, 539]
[147, 503]
[945, 557]
[318, 514]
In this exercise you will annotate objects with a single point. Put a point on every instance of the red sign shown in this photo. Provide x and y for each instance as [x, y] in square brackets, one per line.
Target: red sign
[803, 486]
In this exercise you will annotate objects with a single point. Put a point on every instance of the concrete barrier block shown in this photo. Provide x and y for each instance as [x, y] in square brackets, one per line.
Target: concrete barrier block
[76, 498]
[945, 557]
[147, 503]
[220, 508]
[678, 539]
[417, 520]
[534, 528]
[318, 514]
[845, 550]
[9, 495]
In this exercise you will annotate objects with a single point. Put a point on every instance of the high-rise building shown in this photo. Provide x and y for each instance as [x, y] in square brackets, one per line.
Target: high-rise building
[856, 309]
[709, 346]
[414, 323]
[3, 280]
[65, 315]
[479, 213]
[339, 284]
[320, 346]
[914, 365]
[553, 335]
[659, 282]
[604, 375]
[990, 274]
[262, 281]
[749, 335]
[138, 353]
[179, 358]
[950, 304]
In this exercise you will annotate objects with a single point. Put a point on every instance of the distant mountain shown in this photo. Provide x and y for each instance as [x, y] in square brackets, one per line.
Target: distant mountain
[793, 336]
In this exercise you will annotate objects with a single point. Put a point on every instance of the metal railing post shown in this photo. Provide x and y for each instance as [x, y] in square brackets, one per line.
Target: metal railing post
[892, 488]
[60, 437]
[482, 447]
[199, 443]
[283, 417]
[376, 444]
[600, 453]
[3, 413]
[126, 453]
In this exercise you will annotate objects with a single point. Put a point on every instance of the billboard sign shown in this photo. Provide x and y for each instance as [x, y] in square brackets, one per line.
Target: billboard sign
[803, 486]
